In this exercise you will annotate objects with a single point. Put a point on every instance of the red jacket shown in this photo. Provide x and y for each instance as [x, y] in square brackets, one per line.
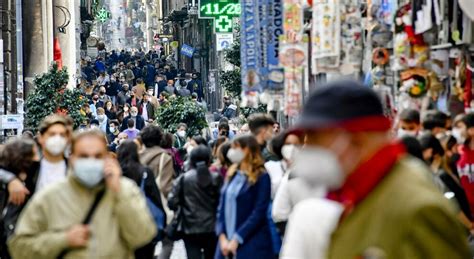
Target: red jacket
[466, 173]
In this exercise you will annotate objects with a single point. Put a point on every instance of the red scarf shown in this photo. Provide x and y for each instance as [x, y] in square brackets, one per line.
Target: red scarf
[367, 176]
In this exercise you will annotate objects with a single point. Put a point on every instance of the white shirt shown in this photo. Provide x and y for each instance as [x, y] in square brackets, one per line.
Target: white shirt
[276, 171]
[310, 227]
[145, 111]
[50, 173]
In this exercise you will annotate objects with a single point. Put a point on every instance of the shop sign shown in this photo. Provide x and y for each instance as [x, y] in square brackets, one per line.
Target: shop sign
[187, 50]
[224, 41]
[11, 121]
[222, 12]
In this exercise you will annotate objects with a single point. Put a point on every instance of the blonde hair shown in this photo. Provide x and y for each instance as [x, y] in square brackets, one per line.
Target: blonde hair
[254, 159]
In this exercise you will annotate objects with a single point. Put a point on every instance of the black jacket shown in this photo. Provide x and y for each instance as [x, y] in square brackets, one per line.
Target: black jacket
[198, 203]
[149, 108]
[139, 123]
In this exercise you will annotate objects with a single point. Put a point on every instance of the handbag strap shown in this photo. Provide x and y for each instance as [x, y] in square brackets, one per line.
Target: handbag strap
[93, 207]
[87, 219]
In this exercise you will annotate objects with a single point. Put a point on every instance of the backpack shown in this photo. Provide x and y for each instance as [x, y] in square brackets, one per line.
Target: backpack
[157, 213]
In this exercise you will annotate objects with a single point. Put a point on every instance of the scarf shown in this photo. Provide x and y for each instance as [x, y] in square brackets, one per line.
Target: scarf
[366, 177]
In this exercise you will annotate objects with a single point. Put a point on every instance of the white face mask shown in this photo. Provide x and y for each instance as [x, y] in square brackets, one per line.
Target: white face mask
[235, 155]
[101, 117]
[403, 133]
[56, 145]
[150, 92]
[320, 166]
[112, 129]
[327, 173]
[457, 134]
[289, 152]
[134, 114]
[182, 133]
[89, 171]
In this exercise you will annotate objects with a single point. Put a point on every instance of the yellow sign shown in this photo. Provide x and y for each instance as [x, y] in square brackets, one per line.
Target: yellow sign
[174, 44]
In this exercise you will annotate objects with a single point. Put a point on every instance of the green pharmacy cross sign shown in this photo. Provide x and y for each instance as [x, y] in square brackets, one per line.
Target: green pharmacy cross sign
[103, 15]
[221, 11]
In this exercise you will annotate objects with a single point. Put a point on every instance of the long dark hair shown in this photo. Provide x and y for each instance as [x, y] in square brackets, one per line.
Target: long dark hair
[127, 155]
[200, 159]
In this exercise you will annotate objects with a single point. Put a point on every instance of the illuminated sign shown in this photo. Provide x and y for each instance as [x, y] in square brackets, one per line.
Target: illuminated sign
[221, 12]
[103, 15]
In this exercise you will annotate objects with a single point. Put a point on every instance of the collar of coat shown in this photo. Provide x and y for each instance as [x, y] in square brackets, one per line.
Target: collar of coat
[367, 176]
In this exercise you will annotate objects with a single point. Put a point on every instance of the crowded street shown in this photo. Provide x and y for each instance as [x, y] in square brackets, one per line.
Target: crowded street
[257, 129]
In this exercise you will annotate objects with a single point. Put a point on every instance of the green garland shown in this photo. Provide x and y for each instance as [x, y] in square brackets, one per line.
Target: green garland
[51, 96]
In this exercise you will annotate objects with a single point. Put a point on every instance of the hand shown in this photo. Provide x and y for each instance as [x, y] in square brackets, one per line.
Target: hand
[112, 173]
[232, 246]
[17, 192]
[224, 244]
[77, 236]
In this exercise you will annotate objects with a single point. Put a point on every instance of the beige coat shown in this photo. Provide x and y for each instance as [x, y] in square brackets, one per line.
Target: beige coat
[120, 224]
[161, 163]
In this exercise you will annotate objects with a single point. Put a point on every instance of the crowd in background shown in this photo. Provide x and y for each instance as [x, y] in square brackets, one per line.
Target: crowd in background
[124, 90]
[119, 185]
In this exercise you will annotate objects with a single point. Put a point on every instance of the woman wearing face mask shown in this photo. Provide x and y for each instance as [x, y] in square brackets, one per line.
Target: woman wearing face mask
[110, 111]
[434, 157]
[196, 193]
[189, 146]
[291, 189]
[127, 154]
[452, 184]
[242, 224]
[103, 120]
[124, 113]
[222, 162]
[20, 158]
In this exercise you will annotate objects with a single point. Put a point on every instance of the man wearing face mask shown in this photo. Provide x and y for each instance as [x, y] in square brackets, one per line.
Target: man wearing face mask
[123, 96]
[380, 201]
[53, 223]
[409, 123]
[261, 126]
[139, 121]
[103, 97]
[180, 139]
[53, 138]
[435, 122]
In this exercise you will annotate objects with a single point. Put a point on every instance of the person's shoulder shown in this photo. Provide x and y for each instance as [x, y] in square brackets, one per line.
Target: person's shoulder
[409, 187]
[52, 191]
[128, 184]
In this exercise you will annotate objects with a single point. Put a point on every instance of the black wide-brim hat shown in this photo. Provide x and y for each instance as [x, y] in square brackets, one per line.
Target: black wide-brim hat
[347, 105]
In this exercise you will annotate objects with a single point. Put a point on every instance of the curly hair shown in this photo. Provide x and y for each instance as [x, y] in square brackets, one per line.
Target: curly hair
[17, 155]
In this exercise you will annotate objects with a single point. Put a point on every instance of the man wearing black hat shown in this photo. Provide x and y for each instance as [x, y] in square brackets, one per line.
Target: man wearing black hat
[380, 203]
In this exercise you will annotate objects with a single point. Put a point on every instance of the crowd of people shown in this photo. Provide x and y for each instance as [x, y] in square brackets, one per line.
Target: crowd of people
[339, 184]
[125, 89]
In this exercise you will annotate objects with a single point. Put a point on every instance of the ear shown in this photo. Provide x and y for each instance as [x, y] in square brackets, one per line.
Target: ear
[41, 139]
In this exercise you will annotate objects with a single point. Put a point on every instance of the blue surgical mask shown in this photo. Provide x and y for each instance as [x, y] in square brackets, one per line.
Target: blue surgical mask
[89, 171]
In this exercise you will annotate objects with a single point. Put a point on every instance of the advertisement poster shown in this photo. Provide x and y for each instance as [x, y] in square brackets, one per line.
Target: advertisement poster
[293, 56]
[274, 30]
[250, 52]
